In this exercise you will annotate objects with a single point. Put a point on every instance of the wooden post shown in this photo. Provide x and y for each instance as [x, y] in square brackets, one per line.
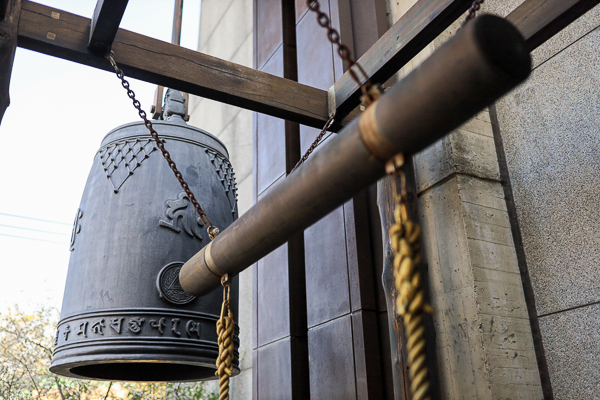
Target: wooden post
[9, 23]
[386, 204]
[105, 24]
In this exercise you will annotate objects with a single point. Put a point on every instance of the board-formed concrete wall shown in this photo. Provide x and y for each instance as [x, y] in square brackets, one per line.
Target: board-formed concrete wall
[549, 128]
[226, 33]
[548, 136]
[485, 347]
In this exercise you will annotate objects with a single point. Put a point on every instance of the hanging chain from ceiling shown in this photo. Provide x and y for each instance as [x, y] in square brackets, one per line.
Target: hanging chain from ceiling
[212, 230]
[370, 92]
[472, 13]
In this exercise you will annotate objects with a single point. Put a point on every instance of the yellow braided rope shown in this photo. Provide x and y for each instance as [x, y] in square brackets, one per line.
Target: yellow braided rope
[225, 330]
[406, 243]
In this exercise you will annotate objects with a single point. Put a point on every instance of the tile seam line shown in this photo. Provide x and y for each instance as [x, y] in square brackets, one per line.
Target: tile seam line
[484, 206]
[565, 48]
[334, 319]
[495, 269]
[568, 309]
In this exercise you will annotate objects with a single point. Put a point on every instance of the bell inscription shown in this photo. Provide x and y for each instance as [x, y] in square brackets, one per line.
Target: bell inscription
[179, 216]
[147, 328]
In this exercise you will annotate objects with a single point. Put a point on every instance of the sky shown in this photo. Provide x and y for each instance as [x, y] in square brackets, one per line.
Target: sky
[59, 113]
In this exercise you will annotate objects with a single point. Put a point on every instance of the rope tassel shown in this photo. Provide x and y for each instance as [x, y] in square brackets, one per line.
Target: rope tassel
[225, 331]
[410, 304]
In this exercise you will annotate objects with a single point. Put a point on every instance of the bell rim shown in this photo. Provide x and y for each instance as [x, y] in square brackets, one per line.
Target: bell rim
[65, 367]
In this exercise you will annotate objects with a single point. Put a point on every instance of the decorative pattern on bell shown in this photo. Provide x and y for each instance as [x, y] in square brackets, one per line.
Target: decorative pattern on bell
[125, 315]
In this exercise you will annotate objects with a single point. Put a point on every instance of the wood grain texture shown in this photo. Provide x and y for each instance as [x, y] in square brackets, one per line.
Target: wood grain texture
[168, 65]
[400, 373]
[172, 66]
[105, 24]
[405, 39]
[9, 21]
[539, 20]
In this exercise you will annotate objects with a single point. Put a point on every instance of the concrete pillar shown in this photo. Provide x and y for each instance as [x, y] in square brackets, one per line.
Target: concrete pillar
[484, 342]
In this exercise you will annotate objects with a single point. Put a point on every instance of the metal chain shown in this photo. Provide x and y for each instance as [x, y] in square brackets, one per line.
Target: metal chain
[225, 332]
[211, 229]
[342, 50]
[370, 93]
[476, 6]
[410, 305]
[313, 146]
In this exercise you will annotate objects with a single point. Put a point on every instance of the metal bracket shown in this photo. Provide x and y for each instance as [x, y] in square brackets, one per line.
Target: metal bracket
[331, 108]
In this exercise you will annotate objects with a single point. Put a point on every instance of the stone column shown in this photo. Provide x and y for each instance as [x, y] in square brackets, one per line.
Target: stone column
[484, 343]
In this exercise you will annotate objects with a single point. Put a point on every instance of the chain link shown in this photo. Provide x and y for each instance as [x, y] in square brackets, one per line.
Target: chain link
[211, 229]
[342, 50]
[370, 93]
[476, 6]
[314, 145]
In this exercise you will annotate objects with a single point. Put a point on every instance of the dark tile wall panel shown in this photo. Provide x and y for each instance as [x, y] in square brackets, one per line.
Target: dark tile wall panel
[318, 324]
[301, 9]
[270, 138]
[344, 349]
[361, 273]
[267, 29]
[366, 344]
[280, 340]
[332, 360]
[326, 269]
[255, 306]
[315, 62]
[275, 371]
[273, 297]
[369, 22]
[315, 52]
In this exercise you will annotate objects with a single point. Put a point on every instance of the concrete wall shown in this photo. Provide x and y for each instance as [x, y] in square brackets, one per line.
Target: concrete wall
[547, 132]
[550, 134]
[485, 346]
[226, 32]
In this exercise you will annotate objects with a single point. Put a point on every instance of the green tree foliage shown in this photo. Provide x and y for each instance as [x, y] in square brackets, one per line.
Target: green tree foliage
[26, 342]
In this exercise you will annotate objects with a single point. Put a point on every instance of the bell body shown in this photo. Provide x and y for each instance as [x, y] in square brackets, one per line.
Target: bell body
[124, 315]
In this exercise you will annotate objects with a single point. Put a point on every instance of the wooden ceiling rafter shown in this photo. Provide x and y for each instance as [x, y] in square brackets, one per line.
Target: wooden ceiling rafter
[105, 24]
[537, 20]
[65, 35]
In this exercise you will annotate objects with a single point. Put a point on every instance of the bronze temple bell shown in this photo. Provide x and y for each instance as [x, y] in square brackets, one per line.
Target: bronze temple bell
[124, 315]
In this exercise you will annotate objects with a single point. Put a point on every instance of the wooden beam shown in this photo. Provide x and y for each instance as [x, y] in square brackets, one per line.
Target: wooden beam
[64, 35]
[172, 66]
[422, 23]
[105, 24]
[539, 20]
[10, 11]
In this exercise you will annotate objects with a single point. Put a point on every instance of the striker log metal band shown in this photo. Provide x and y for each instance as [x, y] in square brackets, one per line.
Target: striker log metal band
[379, 146]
